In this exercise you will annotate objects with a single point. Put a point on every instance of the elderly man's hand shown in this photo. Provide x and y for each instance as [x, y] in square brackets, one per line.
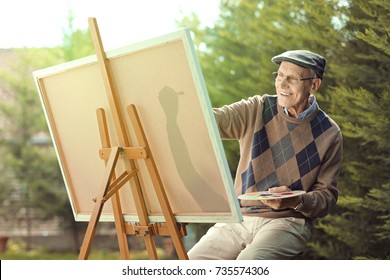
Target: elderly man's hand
[284, 202]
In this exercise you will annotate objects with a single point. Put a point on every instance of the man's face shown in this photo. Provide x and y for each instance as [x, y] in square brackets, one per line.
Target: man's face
[293, 93]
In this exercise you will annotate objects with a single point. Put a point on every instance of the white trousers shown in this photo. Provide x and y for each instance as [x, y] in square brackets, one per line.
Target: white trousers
[256, 238]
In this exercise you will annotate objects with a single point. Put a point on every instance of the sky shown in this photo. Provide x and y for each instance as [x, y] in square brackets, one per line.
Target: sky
[40, 23]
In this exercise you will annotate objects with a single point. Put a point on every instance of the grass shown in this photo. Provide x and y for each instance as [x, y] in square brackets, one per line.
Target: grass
[17, 251]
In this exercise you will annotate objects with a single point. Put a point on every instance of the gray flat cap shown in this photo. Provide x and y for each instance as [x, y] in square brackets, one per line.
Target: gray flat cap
[303, 58]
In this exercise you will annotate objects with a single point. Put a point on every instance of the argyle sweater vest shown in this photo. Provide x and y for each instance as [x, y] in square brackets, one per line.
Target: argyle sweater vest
[278, 150]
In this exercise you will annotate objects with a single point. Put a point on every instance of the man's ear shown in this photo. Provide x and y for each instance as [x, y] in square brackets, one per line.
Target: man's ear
[315, 85]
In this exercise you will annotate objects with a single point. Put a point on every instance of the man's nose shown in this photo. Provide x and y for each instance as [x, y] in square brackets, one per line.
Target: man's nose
[284, 83]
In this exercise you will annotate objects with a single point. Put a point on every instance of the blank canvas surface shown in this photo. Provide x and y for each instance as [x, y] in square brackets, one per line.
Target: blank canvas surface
[162, 78]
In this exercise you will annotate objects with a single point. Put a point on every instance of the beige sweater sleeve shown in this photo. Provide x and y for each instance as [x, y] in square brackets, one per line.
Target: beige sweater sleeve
[233, 120]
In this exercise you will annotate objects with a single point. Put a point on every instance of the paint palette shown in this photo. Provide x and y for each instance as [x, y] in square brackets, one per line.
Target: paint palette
[266, 195]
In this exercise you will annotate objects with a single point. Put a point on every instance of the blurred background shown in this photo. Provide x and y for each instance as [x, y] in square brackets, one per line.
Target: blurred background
[235, 40]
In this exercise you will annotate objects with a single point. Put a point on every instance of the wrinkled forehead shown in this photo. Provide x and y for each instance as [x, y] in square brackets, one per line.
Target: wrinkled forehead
[290, 69]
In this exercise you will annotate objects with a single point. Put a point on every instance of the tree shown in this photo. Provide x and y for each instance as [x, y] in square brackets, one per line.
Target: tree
[25, 195]
[77, 43]
[360, 105]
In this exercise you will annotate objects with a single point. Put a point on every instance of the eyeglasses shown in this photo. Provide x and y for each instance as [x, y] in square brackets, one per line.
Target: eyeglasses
[290, 79]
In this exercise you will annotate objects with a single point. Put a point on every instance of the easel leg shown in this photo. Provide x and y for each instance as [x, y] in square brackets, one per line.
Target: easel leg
[120, 228]
[92, 225]
[158, 186]
[116, 204]
[142, 214]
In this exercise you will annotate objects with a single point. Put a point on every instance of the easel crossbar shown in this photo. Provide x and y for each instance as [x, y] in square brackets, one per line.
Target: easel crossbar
[127, 152]
[119, 183]
[160, 229]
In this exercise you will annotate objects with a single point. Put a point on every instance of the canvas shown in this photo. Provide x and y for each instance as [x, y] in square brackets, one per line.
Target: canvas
[163, 79]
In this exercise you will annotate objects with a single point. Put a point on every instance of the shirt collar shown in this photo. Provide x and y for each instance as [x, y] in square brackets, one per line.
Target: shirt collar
[308, 111]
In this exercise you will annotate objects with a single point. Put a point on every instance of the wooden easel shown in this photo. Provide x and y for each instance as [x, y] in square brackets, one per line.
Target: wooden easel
[111, 183]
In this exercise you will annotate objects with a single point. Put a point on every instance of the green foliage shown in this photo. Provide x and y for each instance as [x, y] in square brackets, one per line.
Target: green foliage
[23, 119]
[379, 199]
[376, 32]
[16, 250]
[364, 121]
[364, 203]
[365, 60]
[76, 43]
[360, 105]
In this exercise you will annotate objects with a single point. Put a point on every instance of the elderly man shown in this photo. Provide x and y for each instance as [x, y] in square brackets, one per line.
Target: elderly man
[287, 143]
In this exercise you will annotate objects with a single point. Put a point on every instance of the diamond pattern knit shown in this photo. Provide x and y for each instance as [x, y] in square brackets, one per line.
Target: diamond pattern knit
[279, 150]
